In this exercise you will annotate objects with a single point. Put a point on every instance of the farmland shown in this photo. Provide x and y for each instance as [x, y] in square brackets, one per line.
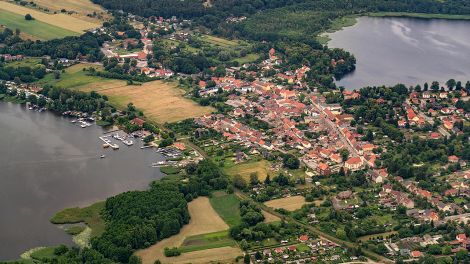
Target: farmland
[227, 206]
[34, 28]
[204, 220]
[62, 21]
[289, 203]
[261, 168]
[79, 8]
[160, 101]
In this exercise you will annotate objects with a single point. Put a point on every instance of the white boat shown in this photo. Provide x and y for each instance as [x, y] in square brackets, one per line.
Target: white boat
[128, 142]
[102, 156]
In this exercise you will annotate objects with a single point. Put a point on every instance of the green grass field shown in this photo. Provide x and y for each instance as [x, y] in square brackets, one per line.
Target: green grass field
[207, 241]
[225, 43]
[43, 254]
[73, 78]
[227, 206]
[89, 215]
[28, 62]
[34, 28]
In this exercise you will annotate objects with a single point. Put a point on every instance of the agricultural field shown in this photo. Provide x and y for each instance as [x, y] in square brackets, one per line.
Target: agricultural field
[60, 20]
[245, 169]
[227, 206]
[33, 29]
[27, 62]
[78, 8]
[204, 220]
[160, 101]
[289, 203]
[221, 42]
[207, 241]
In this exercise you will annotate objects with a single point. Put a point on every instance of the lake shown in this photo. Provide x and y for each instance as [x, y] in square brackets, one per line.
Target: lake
[405, 50]
[48, 164]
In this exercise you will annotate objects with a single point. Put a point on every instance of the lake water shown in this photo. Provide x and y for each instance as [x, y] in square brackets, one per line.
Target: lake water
[405, 50]
[48, 164]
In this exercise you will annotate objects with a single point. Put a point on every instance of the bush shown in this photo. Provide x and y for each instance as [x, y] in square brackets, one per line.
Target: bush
[172, 252]
[28, 17]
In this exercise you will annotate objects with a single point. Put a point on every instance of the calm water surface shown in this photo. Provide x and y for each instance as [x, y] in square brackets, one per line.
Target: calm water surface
[47, 164]
[405, 50]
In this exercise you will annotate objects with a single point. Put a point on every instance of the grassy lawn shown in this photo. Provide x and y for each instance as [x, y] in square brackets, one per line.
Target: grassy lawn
[207, 241]
[302, 248]
[89, 215]
[75, 78]
[365, 238]
[43, 254]
[34, 28]
[227, 206]
[225, 43]
[245, 169]
[28, 62]
[170, 170]
[251, 57]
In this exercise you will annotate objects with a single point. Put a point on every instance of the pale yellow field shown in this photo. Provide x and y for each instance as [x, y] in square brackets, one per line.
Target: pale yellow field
[160, 101]
[289, 203]
[82, 7]
[269, 218]
[245, 169]
[59, 20]
[204, 220]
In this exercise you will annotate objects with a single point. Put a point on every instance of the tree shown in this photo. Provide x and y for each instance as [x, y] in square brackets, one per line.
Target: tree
[344, 154]
[28, 17]
[246, 259]
[451, 84]
[254, 180]
[239, 182]
[435, 86]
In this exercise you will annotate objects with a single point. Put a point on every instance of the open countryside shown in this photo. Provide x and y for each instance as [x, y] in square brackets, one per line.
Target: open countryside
[34, 28]
[58, 20]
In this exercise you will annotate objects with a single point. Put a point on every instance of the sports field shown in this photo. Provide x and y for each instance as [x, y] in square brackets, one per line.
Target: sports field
[204, 220]
[34, 28]
[289, 203]
[60, 20]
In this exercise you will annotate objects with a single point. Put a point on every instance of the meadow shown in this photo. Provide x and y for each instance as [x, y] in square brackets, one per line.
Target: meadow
[227, 206]
[34, 28]
[289, 203]
[261, 168]
[89, 215]
[60, 20]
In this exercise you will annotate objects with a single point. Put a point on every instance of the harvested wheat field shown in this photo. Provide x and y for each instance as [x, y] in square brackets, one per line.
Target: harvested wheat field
[59, 20]
[80, 8]
[289, 203]
[269, 218]
[160, 101]
[204, 220]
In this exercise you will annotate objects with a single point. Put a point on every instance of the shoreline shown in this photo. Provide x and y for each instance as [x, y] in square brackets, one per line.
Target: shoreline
[351, 20]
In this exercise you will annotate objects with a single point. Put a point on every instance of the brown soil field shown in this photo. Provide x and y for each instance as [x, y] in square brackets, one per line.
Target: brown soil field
[160, 101]
[289, 203]
[204, 220]
[59, 20]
